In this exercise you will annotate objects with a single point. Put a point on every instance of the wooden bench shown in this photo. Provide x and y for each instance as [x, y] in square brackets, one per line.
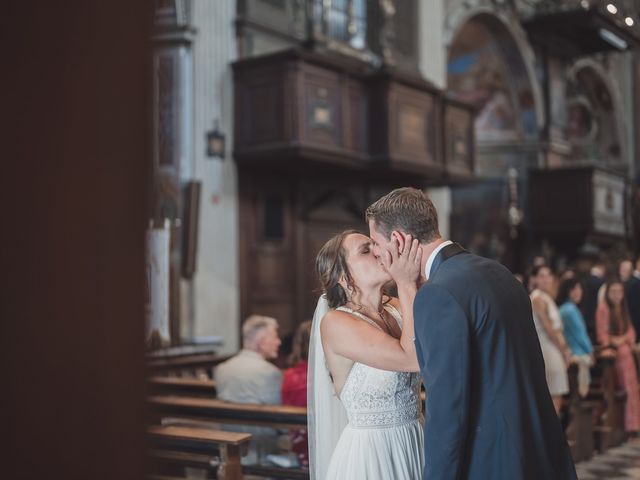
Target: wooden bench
[213, 410]
[579, 431]
[194, 387]
[184, 350]
[609, 429]
[217, 411]
[207, 361]
[230, 446]
[203, 462]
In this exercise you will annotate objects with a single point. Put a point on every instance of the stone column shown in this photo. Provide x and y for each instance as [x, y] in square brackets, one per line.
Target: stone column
[172, 103]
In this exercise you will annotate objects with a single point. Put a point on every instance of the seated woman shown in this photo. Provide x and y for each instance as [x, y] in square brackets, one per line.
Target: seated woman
[575, 329]
[294, 388]
[614, 329]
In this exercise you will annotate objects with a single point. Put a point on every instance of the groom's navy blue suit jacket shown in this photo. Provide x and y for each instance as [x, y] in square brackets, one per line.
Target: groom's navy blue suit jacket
[489, 413]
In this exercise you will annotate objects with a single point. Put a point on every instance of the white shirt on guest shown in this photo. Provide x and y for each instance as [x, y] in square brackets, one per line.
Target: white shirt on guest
[248, 378]
[432, 257]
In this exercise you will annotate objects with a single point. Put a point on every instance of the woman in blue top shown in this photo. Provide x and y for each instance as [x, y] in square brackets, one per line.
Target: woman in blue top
[575, 330]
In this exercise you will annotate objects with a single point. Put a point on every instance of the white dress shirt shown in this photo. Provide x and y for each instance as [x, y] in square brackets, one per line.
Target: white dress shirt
[432, 257]
[248, 378]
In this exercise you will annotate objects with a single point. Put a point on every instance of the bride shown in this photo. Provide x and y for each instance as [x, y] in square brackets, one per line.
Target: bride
[365, 412]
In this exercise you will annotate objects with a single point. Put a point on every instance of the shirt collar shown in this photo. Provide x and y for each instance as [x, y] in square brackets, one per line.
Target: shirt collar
[432, 257]
[636, 274]
[245, 352]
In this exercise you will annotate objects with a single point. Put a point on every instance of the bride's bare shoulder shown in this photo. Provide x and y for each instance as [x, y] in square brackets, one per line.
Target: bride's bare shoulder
[336, 316]
[338, 322]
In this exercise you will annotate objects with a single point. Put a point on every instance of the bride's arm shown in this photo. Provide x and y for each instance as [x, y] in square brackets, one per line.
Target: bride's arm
[406, 295]
[344, 335]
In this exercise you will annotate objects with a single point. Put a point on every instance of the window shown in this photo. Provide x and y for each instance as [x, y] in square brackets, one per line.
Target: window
[343, 20]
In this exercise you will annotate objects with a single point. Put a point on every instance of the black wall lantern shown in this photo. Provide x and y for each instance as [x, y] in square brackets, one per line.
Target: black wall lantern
[215, 142]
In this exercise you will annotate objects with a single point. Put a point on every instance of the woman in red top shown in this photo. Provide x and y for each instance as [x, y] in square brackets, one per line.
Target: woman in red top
[294, 388]
[615, 330]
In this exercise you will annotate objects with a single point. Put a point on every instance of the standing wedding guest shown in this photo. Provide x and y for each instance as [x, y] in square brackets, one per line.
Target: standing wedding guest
[614, 330]
[548, 324]
[575, 330]
[625, 270]
[249, 377]
[632, 294]
[592, 284]
[294, 388]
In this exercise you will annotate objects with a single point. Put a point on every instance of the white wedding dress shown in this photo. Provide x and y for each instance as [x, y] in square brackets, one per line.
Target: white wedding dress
[383, 439]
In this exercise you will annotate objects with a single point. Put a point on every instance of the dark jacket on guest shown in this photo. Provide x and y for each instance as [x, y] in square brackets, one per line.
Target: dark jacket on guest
[590, 302]
[632, 294]
[489, 413]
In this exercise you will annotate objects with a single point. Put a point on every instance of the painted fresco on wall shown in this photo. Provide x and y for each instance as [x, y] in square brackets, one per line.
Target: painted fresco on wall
[485, 69]
[592, 128]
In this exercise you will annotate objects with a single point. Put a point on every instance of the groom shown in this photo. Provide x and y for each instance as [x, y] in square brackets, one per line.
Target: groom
[489, 413]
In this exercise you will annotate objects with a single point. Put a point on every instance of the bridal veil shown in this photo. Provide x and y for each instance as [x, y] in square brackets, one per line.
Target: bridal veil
[326, 415]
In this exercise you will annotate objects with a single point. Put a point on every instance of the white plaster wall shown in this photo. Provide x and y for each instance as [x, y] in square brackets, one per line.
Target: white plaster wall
[212, 299]
[433, 66]
[441, 198]
[431, 45]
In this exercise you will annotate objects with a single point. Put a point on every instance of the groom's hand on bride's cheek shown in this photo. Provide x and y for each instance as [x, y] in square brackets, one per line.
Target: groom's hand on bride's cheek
[393, 251]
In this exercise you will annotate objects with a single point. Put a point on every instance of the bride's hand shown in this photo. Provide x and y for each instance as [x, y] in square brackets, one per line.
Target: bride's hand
[403, 262]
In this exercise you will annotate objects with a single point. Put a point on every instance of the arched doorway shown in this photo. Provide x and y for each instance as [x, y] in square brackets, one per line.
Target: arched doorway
[485, 68]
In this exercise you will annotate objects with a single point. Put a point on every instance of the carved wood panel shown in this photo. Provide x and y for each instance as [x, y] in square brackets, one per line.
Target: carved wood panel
[323, 107]
[458, 139]
[259, 108]
[413, 125]
[413, 129]
[304, 108]
[357, 137]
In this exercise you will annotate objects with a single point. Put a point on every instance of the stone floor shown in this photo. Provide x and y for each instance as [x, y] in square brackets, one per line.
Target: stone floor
[617, 463]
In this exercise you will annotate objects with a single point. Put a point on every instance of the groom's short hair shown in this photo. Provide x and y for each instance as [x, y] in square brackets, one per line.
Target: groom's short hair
[408, 210]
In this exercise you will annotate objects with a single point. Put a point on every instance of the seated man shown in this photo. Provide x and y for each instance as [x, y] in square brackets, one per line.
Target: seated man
[248, 377]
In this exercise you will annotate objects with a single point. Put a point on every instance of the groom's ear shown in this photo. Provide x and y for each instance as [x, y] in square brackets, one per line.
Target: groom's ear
[398, 238]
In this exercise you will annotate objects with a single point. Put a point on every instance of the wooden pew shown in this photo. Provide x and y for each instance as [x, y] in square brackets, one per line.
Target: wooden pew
[193, 387]
[609, 427]
[217, 411]
[213, 410]
[184, 350]
[204, 463]
[230, 446]
[579, 431]
[158, 365]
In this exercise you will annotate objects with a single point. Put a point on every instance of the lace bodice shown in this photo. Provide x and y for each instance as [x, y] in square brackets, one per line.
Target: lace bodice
[376, 398]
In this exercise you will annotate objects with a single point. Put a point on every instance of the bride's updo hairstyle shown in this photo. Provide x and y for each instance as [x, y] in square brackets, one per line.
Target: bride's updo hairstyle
[331, 266]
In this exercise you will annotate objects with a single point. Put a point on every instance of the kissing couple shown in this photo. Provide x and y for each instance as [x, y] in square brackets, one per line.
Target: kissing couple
[462, 324]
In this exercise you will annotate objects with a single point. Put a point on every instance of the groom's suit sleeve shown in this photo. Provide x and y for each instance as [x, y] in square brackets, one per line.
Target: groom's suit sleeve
[442, 334]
